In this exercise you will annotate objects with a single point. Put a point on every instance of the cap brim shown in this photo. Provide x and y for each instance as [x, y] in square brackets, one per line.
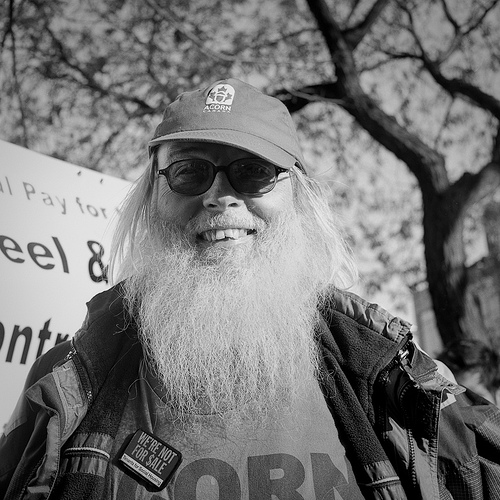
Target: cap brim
[247, 142]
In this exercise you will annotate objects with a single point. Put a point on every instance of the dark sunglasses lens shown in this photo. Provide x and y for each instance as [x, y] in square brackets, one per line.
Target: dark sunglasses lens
[252, 176]
[190, 177]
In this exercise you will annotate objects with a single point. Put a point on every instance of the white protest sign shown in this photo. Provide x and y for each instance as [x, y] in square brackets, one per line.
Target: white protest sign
[56, 224]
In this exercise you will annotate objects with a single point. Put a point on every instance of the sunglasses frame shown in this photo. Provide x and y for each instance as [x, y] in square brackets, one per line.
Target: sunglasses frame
[224, 168]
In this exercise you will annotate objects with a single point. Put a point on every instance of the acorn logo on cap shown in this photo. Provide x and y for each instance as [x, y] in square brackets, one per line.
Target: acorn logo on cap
[219, 99]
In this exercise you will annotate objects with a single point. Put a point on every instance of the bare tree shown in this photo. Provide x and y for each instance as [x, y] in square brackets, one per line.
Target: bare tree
[445, 203]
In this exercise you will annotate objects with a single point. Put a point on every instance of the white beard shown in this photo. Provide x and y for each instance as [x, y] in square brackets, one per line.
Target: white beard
[228, 329]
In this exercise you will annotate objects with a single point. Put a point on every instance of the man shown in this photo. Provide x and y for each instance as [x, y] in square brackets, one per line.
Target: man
[227, 363]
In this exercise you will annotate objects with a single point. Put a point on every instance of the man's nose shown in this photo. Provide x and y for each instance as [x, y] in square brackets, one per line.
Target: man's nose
[221, 195]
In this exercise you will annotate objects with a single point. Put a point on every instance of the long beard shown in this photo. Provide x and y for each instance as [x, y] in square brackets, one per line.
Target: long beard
[228, 329]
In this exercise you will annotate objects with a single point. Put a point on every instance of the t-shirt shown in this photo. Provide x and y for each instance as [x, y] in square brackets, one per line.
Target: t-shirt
[294, 456]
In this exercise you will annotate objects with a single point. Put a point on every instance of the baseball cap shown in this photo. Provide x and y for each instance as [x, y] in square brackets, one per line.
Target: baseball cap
[234, 113]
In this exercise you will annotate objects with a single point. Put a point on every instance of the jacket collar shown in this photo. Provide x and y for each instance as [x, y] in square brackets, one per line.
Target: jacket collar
[369, 315]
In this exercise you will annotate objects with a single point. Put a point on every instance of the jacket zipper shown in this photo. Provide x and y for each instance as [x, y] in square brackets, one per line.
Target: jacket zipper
[72, 354]
[403, 362]
[396, 361]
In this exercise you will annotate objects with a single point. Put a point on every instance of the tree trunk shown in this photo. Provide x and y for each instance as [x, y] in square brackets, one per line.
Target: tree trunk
[445, 261]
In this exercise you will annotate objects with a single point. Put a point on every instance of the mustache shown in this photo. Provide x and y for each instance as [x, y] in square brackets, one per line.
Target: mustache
[207, 221]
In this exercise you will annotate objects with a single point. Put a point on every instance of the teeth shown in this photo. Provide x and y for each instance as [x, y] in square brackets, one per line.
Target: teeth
[221, 234]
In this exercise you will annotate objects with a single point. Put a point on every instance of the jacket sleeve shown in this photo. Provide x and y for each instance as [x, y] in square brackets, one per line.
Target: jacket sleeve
[21, 425]
[468, 441]
[455, 434]
[469, 447]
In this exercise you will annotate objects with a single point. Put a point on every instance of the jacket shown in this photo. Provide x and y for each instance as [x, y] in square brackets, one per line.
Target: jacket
[408, 432]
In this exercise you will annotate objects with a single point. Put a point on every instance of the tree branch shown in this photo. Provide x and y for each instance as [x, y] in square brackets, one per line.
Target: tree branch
[477, 22]
[90, 81]
[355, 34]
[453, 86]
[443, 123]
[166, 12]
[17, 85]
[461, 31]
[456, 86]
[9, 22]
[451, 19]
[405, 8]
[296, 99]
[472, 188]
[338, 47]
[495, 154]
[426, 164]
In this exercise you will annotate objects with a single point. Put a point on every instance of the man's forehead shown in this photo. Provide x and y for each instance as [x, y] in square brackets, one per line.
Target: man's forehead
[178, 149]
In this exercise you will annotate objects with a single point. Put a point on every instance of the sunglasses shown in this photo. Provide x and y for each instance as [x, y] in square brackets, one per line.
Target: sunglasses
[247, 176]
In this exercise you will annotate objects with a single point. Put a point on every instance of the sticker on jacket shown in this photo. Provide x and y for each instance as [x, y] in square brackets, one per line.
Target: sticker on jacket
[151, 459]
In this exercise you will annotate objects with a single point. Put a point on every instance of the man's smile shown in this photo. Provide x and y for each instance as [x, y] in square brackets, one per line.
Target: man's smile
[225, 234]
